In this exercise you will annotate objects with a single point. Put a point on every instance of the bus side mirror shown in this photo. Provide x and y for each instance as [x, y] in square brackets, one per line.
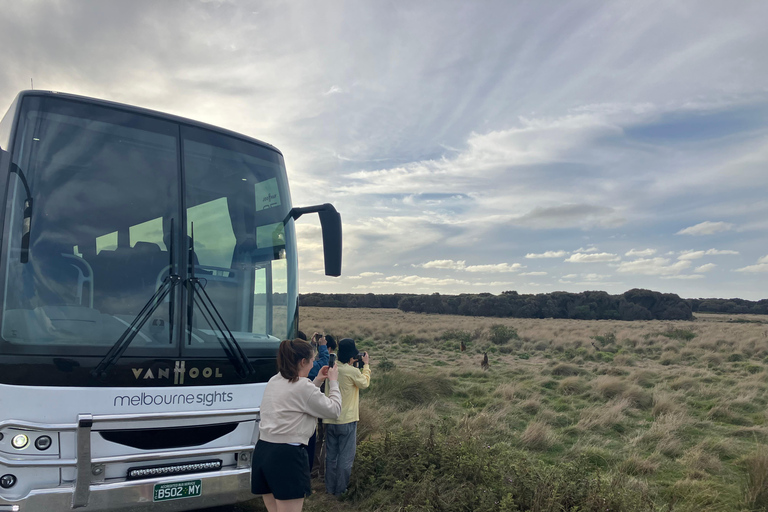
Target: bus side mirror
[330, 222]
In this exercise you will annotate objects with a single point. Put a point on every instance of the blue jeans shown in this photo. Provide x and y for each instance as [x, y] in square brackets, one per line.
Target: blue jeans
[340, 445]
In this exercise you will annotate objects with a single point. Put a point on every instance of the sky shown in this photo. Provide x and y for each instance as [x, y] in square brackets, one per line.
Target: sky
[470, 146]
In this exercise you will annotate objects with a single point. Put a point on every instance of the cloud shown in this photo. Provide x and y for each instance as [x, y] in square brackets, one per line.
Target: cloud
[684, 276]
[500, 267]
[444, 264]
[721, 252]
[691, 255]
[761, 266]
[592, 258]
[420, 281]
[462, 265]
[533, 274]
[370, 274]
[707, 267]
[586, 249]
[640, 252]
[548, 254]
[584, 216]
[706, 228]
[653, 267]
[694, 255]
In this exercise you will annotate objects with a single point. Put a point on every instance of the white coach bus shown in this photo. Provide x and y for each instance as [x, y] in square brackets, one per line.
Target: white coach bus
[148, 271]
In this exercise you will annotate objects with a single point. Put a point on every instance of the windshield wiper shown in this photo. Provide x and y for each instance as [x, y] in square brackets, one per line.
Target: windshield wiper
[169, 283]
[209, 312]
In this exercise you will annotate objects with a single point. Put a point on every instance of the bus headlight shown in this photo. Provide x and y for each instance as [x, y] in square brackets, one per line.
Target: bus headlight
[19, 441]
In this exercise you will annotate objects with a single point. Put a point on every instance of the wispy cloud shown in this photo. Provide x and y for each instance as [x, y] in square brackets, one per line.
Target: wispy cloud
[600, 257]
[761, 266]
[653, 266]
[640, 252]
[548, 254]
[706, 228]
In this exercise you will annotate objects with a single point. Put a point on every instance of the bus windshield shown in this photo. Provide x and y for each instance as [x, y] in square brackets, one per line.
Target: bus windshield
[104, 203]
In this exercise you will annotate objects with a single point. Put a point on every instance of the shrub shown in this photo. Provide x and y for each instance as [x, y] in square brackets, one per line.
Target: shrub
[457, 334]
[501, 334]
[605, 340]
[385, 365]
[409, 470]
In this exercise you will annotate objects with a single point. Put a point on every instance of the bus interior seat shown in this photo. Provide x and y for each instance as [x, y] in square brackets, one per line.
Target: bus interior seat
[125, 277]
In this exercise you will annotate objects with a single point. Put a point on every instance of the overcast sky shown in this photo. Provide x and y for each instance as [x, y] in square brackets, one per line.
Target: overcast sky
[473, 146]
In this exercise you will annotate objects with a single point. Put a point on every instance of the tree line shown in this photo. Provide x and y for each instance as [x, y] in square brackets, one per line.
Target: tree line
[635, 304]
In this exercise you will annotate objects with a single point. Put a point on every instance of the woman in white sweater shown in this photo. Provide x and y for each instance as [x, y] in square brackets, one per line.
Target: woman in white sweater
[289, 411]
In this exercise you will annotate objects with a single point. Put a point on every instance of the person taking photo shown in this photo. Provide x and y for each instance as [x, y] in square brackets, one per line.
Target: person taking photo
[289, 410]
[341, 432]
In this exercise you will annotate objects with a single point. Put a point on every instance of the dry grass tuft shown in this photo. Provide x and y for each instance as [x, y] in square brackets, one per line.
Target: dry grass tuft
[644, 378]
[697, 461]
[511, 391]
[531, 406]
[538, 436]
[636, 465]
[756, 465]
[610, 387]
[638, 397]
[663, 403]
[572, 386]
[566, 370]
[608, 416]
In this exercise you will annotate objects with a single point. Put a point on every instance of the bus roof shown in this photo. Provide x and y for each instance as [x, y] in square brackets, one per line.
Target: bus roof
[143, 111]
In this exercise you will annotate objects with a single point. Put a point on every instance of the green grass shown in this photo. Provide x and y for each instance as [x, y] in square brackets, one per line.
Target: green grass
[663, 416]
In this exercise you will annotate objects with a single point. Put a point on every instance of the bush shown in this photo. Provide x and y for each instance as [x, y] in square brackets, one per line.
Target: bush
[385, 365]
[457, 334]
[408, 470]
[501, 334]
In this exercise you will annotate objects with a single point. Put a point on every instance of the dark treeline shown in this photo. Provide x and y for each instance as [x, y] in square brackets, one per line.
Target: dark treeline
[732, 306]
[632, 305]
[352, 300]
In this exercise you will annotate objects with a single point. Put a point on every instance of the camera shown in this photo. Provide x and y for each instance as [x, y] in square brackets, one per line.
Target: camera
[331, 360]
[358, 361]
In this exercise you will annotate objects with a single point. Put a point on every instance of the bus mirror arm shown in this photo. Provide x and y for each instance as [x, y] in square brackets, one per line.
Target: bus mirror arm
[330, 222]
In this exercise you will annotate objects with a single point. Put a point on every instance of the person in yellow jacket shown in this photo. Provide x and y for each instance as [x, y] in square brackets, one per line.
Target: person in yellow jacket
[341, 433]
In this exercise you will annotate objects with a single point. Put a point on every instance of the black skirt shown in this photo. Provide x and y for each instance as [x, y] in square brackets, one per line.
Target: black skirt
[280, 469]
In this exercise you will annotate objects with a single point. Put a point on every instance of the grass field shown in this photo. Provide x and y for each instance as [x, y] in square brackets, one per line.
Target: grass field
[571, 415]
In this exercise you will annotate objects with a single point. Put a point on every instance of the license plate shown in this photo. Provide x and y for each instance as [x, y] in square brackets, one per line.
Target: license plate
[177, 490]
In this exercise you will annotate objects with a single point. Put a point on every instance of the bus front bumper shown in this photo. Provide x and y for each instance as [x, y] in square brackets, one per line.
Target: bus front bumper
[221, 488]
